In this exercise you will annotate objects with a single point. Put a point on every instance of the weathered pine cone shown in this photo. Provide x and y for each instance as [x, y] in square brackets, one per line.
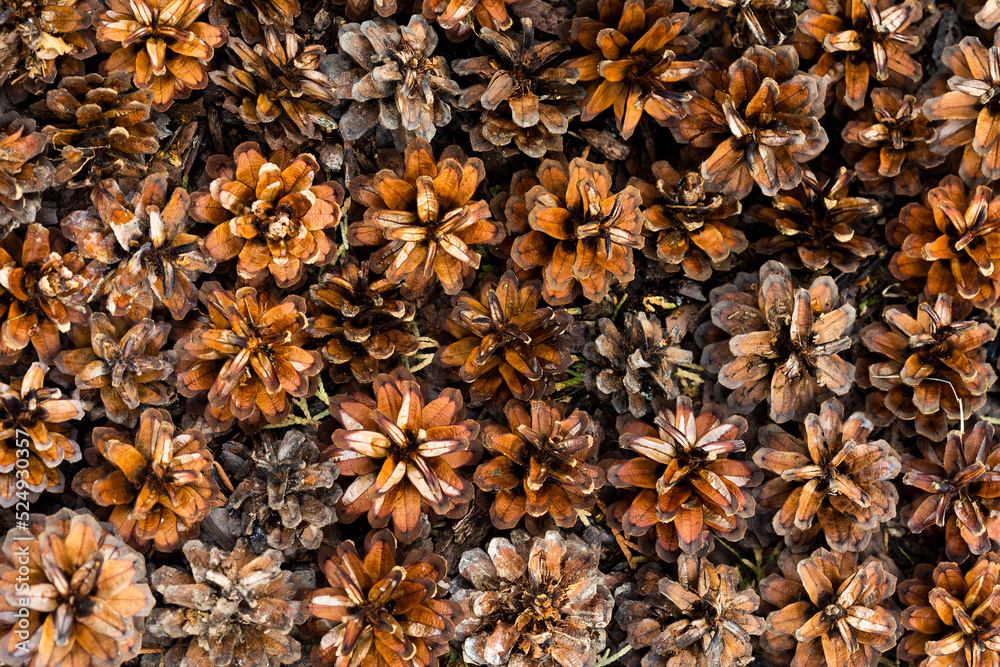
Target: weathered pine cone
[637, 365]
[538, 601]
[288, 494]
[233, 608]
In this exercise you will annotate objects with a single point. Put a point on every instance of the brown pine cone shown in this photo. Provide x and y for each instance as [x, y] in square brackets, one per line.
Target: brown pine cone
[831, 610]
[684, 463]
[582, 234]
[28, 407]
[269, 213]
[732, 111]
[637, 366]
[785, 342]
[167, 51]
[143, 242]
[507, 346]
[836, 481]
[88, 594]
[958, 484]
[249, 358]
[524, 98]
[694, 231]
[278, 88]
[929, 369]
[363, 322]
[159, 482]
[951, 613]
[101, 130]
[381, 606]
[631, 65]
[949, 242]
[127, 365]
[541, 470]
[818, 224]
[416, 444]
[423, 215]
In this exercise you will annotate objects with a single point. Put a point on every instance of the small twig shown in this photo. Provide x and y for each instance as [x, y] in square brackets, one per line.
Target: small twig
[342, 225]
[618, 307]
[607, 658]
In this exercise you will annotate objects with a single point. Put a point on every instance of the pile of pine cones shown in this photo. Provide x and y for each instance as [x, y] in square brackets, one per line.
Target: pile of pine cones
[511, 333]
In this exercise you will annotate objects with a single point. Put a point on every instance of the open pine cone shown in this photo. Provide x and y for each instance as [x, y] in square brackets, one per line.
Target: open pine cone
[539, 602]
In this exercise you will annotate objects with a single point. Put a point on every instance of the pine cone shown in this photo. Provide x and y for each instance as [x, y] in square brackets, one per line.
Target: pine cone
[29, 408]
[159, 482]
[127, 365]
[234, 608]
[460, 18]
[864, 40]
[683, 459]
[694, 230]
[818, 224]
[143, 239]
[249, 358]
[506, 345]
[633, 65]
[969, 118]
[363, 322]
[411, 98]
[101, 130]
[957, 483]
[582, 234]
[830, 610]
[951, 614]
[949, 242]
[22, 172]
[684, 464]
[269, 213]
[278, 89]
[890, 144]
[837, 482]
[541, 467]
[929, 369]
[89, 596]
[254, 16]
[380, 607]
[46, 292]
[746, 23]
[422, 215]
[635, 367]
[537, 603]
[785, 343]
[731, 116]
[711, 619]
[40, 38]
[287, 495]
[399, 431]
[526, 99]
[167, 51]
